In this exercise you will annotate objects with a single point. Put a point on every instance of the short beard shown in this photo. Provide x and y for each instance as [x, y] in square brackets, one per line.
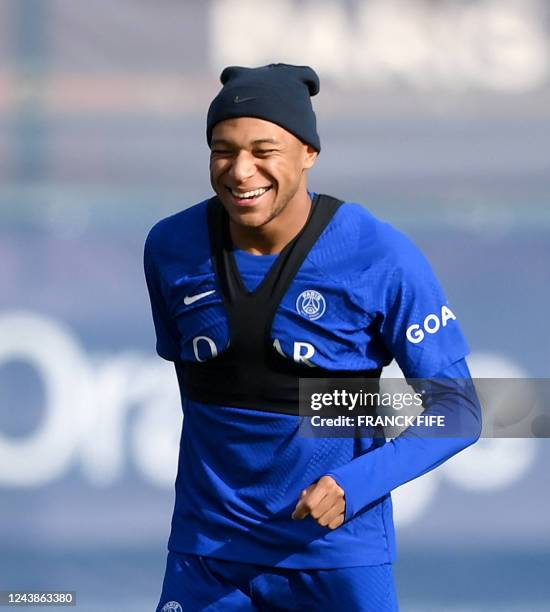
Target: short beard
[278, 209]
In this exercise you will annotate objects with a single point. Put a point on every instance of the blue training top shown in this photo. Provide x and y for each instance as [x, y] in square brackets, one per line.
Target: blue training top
[364, 295]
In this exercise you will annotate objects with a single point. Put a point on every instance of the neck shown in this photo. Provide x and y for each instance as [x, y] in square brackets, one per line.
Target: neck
[271, 238]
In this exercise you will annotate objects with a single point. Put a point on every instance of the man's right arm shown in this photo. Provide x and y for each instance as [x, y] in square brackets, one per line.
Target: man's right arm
[167, 344]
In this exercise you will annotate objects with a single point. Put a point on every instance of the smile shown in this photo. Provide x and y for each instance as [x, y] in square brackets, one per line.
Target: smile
[248, 197]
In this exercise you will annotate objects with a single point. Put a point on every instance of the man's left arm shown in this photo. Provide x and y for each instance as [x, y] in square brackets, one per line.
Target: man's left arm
[419, 449]
[412, 299]
[345, 491]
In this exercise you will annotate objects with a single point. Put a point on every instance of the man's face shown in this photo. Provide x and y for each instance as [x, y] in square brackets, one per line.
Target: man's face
[256, 169]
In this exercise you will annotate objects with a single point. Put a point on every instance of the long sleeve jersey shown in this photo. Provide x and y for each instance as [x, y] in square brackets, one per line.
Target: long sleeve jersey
[364, 295]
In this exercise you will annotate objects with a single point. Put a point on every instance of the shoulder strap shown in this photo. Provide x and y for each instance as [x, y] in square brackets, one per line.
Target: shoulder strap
[287, 264]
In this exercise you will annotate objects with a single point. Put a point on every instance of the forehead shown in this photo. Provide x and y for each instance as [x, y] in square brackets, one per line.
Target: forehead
[244, 130]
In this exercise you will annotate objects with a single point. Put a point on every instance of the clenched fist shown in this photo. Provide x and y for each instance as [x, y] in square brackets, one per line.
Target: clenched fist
[324, 501]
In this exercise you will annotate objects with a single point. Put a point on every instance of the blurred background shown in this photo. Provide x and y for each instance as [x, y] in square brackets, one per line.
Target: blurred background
[435, 114]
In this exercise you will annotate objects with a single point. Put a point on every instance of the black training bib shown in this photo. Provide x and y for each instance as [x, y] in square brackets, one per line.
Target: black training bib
[251, 373]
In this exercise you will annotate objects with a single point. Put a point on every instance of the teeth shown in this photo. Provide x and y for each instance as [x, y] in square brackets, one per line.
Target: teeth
[249, 194]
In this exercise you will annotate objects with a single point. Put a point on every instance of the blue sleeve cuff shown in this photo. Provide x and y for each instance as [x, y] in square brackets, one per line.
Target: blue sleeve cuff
[345, 478]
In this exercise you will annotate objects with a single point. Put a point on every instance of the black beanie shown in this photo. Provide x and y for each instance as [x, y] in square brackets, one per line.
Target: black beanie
[279, 93]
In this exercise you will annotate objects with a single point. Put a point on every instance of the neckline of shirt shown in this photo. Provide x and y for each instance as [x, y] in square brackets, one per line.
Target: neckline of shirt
[241, 253]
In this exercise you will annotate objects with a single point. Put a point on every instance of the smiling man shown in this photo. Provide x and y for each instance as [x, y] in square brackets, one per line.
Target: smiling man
[251, 289]
[264, 190]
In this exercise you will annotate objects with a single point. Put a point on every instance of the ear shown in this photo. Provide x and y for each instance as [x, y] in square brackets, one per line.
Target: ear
[310, 157]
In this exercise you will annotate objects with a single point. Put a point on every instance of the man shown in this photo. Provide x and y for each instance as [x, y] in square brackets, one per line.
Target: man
[262, 284]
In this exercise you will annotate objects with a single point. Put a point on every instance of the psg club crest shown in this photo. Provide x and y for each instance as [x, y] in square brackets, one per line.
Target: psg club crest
[172, 606]
[311, 304]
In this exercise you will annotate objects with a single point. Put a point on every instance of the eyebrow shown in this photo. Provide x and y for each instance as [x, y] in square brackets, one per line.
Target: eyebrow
[259, 141]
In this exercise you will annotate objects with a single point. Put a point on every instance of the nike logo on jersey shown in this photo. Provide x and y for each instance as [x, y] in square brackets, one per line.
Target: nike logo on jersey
[191, 299]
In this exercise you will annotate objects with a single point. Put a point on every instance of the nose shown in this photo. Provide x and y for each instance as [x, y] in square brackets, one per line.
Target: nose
[243, 167]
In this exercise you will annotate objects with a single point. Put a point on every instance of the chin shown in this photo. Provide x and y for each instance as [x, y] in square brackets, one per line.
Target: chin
[249, 219]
